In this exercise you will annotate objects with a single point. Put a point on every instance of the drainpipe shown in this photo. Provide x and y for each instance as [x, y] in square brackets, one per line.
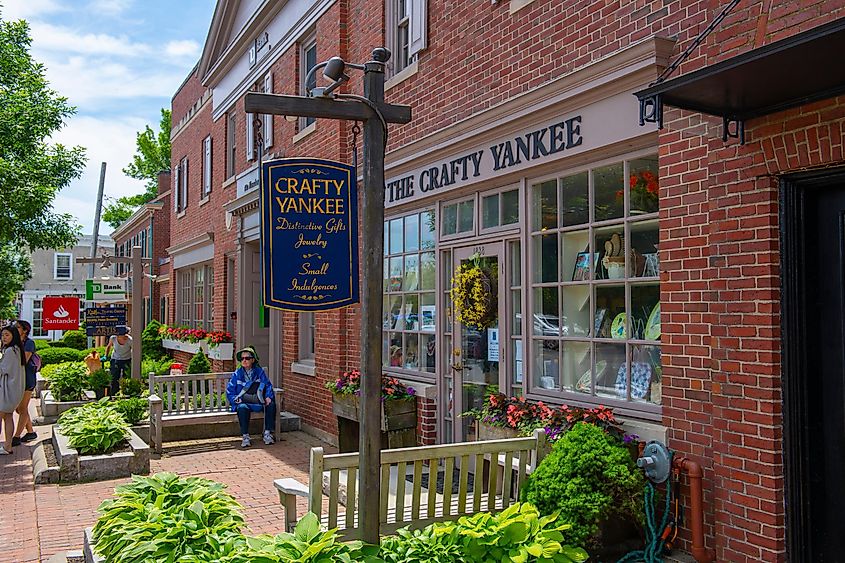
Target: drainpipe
[694, 472]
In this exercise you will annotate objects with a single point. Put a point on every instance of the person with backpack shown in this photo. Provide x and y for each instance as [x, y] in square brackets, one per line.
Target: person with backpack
[33, 365]
[12, 380]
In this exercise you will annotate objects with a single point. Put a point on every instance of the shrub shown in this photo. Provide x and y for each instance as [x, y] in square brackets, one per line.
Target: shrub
[518, 533]
[589, 476]
[95, 428]
[158, 367]
[68, 381]
[151, 340]
[101, 350]
[41, 344]
[164, 517]
[133, 409]
[99, 379]
[59, 355]
[199, 363]
[75, 339]
[131, 387]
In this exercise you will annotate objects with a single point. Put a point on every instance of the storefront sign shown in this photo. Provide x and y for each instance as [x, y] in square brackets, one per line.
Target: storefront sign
[102, 321]
[309, 234]
[247, 181]
[60, 313]
[105, 291]
[593, 126]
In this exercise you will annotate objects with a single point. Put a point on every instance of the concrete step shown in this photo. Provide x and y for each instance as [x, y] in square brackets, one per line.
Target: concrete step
[290, 422]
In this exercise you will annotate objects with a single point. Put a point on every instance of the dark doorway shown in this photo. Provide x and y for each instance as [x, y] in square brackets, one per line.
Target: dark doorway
[813, 270]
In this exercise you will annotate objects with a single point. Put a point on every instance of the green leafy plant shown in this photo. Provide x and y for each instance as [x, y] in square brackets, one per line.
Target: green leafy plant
[306, 544]
[56, 355]
[94, 429]
[131, 387]
[164, 517]
[151, 340]
[40, 344]
[75, 339]
[67, 380]
[199, 363]
[99, 379]
[158, 367]
[133, 409]
[518, 534]
[589, 476]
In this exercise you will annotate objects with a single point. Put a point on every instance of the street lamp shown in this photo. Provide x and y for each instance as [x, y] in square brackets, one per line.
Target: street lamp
[136, 265]
[371, 109]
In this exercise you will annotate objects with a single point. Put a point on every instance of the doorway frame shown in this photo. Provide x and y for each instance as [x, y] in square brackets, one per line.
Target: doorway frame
[794, 320]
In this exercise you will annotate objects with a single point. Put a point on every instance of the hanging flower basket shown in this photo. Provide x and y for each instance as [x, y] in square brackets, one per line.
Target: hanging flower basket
[474, 296]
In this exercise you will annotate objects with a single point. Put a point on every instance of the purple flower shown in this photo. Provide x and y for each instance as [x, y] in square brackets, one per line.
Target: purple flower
[412, 391]
[628, 438]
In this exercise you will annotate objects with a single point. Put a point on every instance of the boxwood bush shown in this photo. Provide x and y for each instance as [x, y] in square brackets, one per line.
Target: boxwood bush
[59, 355]
[40, 343]
[75, 339]
[199, 363]
[96, 428]
[151, 340]
[588, 477]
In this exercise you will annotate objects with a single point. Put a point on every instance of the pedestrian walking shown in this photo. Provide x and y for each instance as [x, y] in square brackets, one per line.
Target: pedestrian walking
[30, 370]
[120, 347]
[12, 381]
[249, 390]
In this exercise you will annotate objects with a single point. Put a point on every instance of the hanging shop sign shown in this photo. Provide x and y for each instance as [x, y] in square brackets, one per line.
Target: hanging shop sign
[103, 321]
[105, 291]
[309, 234]
[60, 313]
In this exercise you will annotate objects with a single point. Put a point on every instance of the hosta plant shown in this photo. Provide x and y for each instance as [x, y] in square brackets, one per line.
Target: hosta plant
[67, 381]
[421, 546]
[94, 429]
[164, 517]
[133, 409]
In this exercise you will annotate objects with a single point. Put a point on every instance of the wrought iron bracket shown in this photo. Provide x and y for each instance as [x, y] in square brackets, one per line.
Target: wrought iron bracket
[651, 110]
[733, 128]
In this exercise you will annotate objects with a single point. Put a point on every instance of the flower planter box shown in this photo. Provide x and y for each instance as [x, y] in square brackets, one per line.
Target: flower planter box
[490, 432]
[398, 422]
[74, 466]
[224, 351]
[189, 347]
[51, 409]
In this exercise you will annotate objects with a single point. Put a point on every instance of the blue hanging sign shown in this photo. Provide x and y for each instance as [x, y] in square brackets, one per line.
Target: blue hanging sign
[309, 234]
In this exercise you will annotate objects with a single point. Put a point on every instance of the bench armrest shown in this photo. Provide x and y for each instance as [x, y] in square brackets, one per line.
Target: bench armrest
[289, 489]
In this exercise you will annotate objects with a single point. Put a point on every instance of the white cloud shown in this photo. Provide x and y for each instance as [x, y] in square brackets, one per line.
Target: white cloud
[110, 140]
[46, 37]
[28, 9]
[109, 7]
[184, 48]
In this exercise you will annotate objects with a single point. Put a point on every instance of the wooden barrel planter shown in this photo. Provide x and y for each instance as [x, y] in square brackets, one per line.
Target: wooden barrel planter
[398, 422]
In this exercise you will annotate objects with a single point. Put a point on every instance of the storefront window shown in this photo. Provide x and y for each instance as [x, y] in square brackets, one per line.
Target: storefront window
[409, 309]
[595, 291]
[500, 209]
[458, 218]
[195, 291]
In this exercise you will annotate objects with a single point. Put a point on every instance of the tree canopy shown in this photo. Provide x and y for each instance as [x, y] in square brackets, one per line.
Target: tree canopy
[152, 156]
[17, 270]
[32, 171]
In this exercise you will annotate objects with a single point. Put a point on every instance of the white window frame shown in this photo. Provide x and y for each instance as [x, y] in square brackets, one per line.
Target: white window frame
[181, 196]
[410, 27]
[186, 303]
[307, 332]
[231, 145]
[38, 311]
[206, 167]
[267, 118]
[56, 257]
[309, 42]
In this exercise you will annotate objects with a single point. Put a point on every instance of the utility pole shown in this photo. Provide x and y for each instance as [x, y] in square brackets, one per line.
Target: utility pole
[375, 114]
[96, 240]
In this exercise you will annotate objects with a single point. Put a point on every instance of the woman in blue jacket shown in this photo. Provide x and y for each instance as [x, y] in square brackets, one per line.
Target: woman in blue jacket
[250, 391]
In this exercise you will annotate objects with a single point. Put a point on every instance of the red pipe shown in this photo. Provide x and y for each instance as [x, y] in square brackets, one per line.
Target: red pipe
[694, 472]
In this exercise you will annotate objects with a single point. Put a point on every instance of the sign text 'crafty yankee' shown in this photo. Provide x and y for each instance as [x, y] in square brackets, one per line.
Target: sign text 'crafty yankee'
[309, 234]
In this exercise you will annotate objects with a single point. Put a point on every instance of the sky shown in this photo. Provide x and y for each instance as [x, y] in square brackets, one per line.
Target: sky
[119, 62]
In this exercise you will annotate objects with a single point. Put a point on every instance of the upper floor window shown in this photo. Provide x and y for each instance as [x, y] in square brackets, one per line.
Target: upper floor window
[406, 31]
[206, 166]
[180, 186]
[308, 60]
[62, 269]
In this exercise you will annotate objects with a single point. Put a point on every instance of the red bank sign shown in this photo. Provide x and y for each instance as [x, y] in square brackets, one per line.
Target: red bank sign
[60, 313]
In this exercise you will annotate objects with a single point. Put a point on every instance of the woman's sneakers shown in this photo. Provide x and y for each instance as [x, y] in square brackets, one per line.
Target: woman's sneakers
[245, 443]
[268, 438]
[29, 436]
[4, 452]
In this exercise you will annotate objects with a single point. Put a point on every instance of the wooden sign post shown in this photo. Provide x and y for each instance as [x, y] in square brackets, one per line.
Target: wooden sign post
[375, 114]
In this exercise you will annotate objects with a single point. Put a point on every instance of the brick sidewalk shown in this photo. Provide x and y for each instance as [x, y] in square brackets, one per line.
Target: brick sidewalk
[62, 512]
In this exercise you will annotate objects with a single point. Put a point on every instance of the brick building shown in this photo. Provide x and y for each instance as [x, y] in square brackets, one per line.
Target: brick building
[525, 154]
[149, 228]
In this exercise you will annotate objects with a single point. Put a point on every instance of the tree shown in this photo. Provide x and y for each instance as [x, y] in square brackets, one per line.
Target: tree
[17, 269]
[152, 156]
[32, 171]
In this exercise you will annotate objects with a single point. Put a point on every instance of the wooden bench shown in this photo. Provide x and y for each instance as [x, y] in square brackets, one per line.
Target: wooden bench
[198, 398]
[493, 486]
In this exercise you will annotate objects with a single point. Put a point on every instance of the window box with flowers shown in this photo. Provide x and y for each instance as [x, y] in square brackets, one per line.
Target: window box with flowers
[216, 344]
[398, 411]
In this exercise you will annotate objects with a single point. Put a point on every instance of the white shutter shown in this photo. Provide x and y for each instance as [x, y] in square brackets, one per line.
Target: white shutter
[418, 26]
[185, 185]
[250, 137]
[175, 192]
[206, 168]
[267, 125]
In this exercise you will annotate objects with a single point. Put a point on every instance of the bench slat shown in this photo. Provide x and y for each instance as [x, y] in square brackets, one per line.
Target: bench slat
[351, 496]
[315, 480]
[334, 480]
[448, 470]
[401, 470]
[492, 480]
[463, 484]
[385, 485]
[433, 465]
[415, 496]
[523, 461]
[478, 483]
[506, 480]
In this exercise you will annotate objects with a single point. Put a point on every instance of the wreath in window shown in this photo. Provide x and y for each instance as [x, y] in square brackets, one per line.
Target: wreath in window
[473, 294]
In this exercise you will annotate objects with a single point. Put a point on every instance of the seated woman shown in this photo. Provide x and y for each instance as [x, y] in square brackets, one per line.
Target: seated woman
[250, 391]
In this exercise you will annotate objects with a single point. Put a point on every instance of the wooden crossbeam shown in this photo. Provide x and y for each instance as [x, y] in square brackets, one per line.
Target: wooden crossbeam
[280, 104]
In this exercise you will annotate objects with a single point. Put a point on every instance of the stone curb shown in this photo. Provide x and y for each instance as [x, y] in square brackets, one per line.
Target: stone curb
[43, 473]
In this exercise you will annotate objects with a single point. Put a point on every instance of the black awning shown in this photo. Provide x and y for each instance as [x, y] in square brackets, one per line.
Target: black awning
[794, 71]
